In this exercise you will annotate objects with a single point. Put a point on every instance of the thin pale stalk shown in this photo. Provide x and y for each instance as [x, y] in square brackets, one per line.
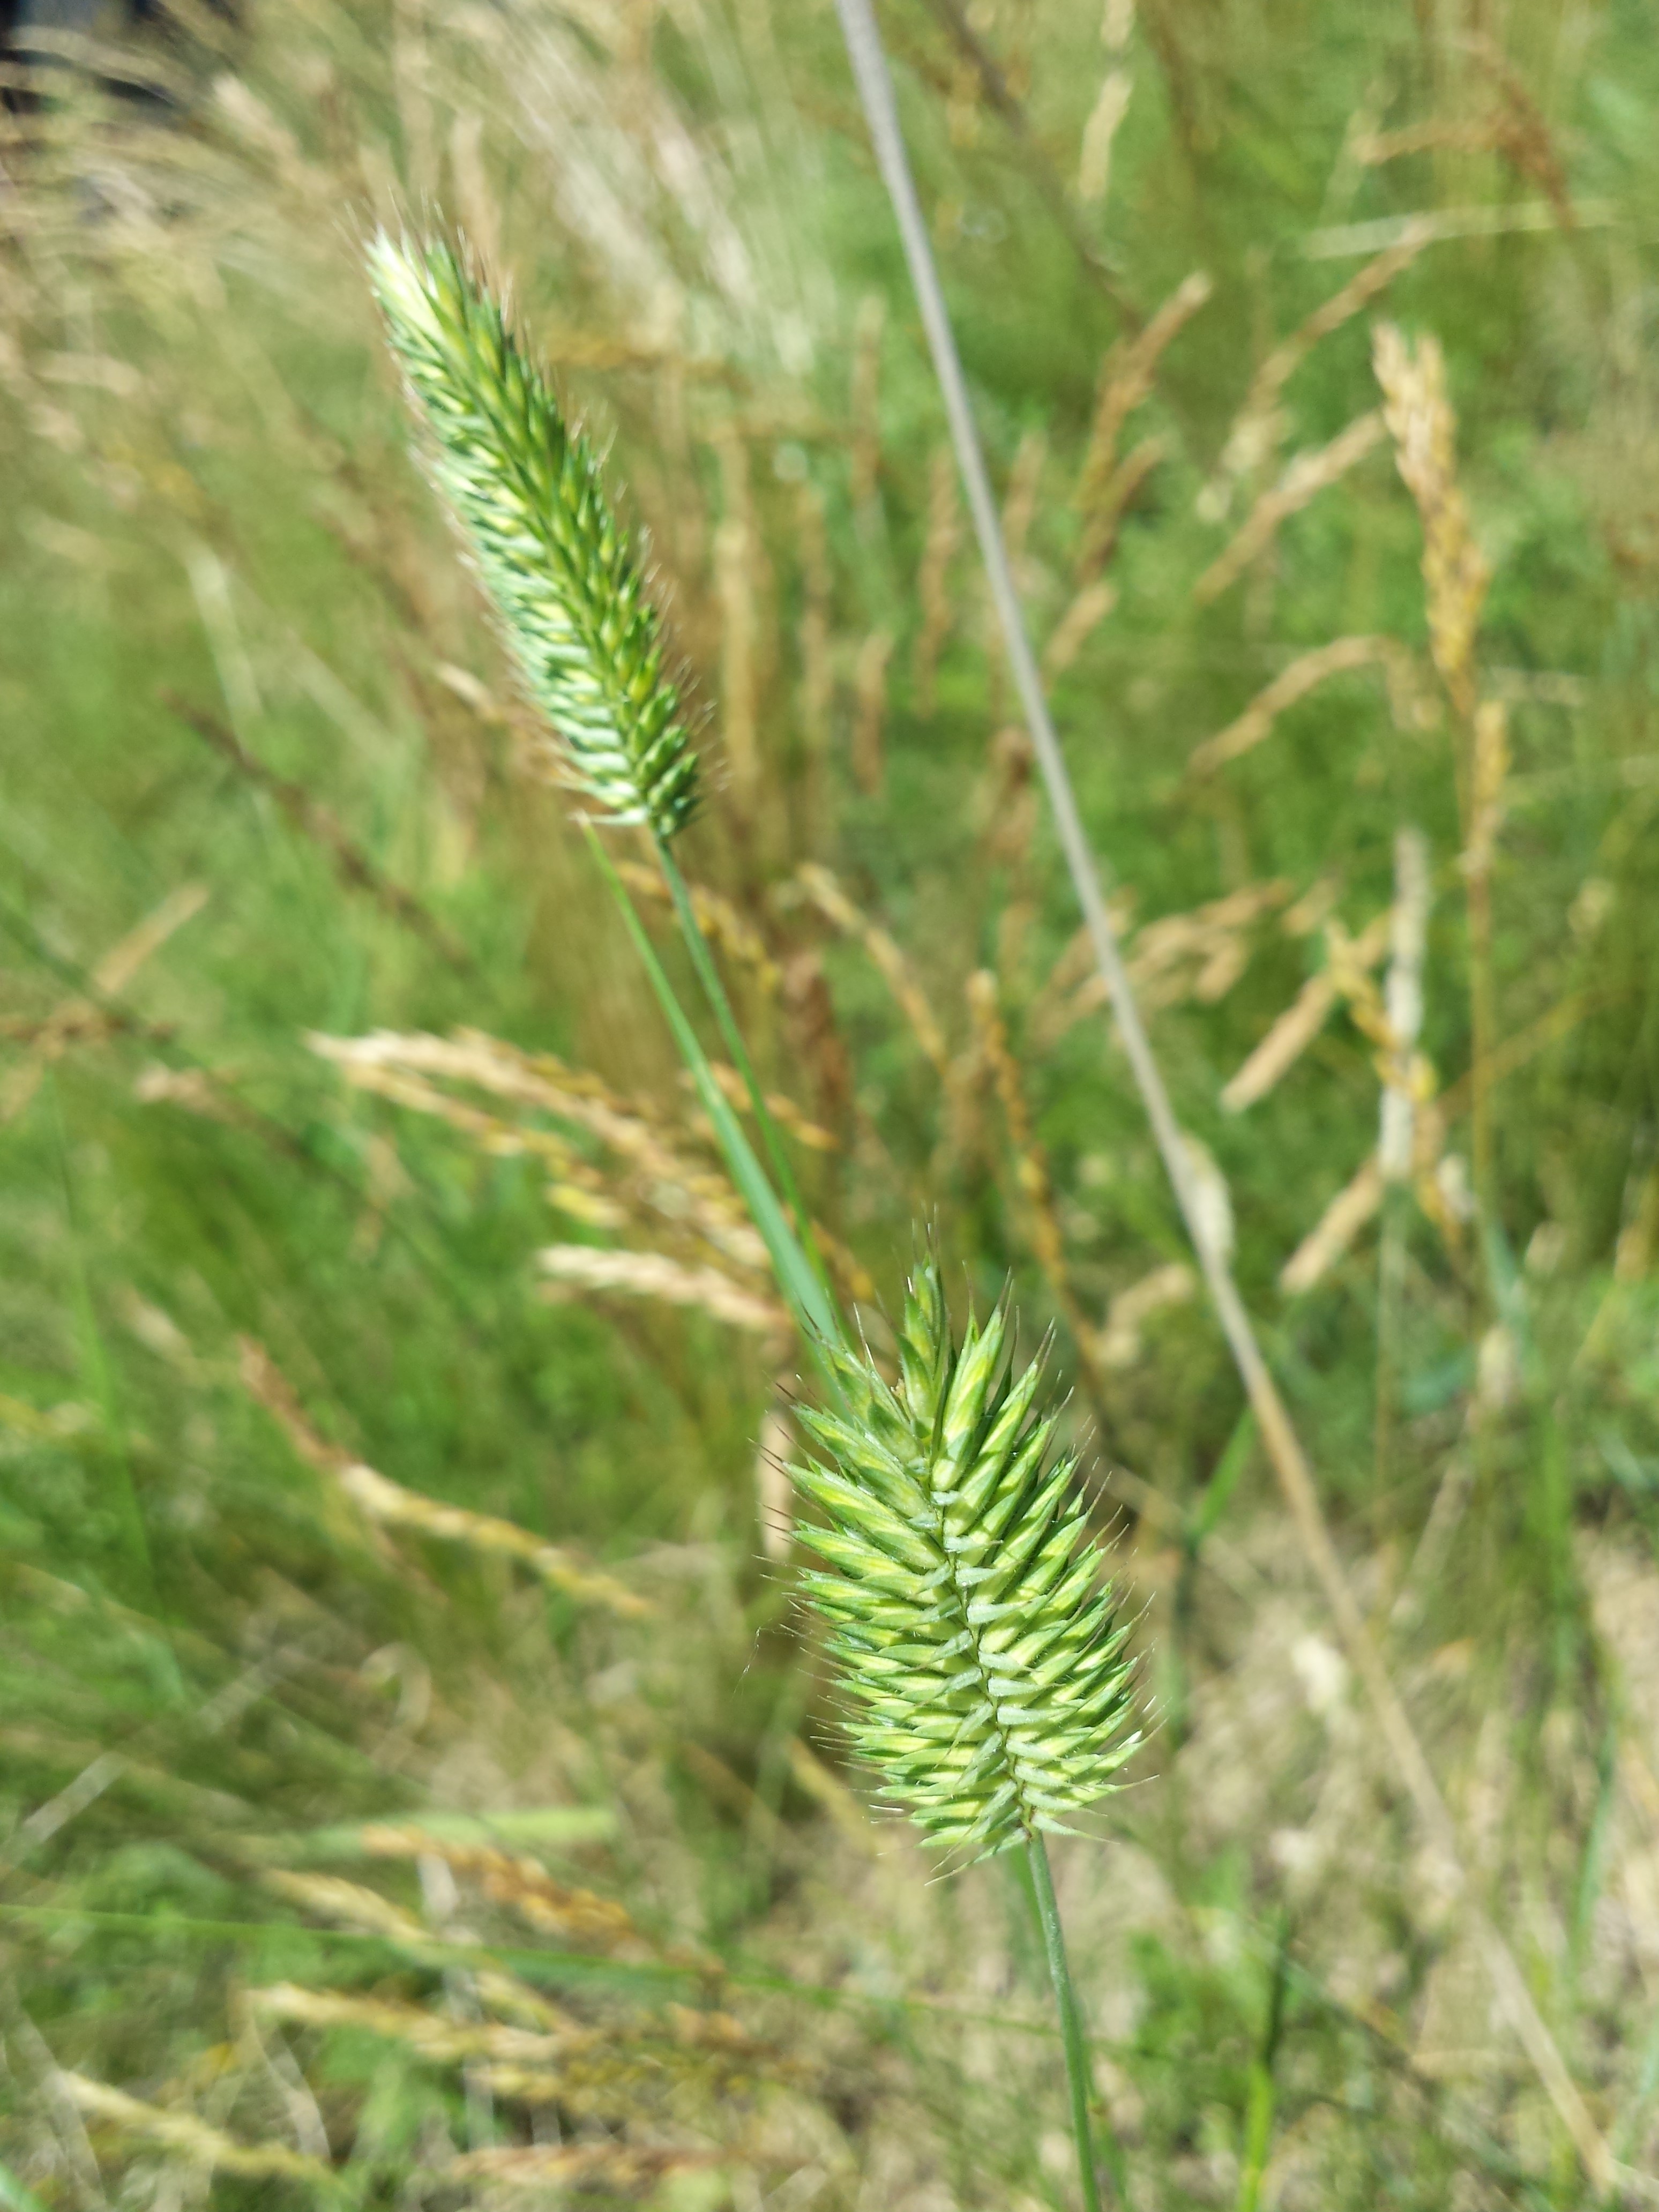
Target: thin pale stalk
[714, 990]
[1278, 1436]
[810, 1302]
[1077, 2074]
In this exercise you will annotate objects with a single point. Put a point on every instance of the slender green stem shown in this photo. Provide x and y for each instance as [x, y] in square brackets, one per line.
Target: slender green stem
[1077, 2074]
[800, 1284]
[708, 976]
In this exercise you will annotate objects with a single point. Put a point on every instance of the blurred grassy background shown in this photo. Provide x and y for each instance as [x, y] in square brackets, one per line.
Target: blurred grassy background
[313, 1800]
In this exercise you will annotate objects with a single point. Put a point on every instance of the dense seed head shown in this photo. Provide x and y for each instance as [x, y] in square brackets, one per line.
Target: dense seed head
[527, 491]
[978, 1638]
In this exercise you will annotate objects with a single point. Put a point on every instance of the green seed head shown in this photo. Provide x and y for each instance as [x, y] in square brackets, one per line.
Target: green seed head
[979, 1640]
[527, 491]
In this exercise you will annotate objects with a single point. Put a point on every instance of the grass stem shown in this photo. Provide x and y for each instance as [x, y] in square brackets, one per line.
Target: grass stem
[714, 989]
[1078, 2076]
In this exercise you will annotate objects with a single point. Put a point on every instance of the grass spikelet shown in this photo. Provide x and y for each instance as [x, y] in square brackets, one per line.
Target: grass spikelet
[982, 1653]
[1420, 422]
[527, 491]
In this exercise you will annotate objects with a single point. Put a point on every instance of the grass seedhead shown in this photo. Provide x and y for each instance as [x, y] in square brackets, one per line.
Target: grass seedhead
[979, 1639]
[527, 491]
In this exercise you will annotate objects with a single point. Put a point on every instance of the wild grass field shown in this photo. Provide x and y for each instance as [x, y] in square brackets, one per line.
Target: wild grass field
[419, 1782]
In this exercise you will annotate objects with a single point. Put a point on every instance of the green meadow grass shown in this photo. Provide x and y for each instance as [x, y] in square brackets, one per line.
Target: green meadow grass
[209, 503]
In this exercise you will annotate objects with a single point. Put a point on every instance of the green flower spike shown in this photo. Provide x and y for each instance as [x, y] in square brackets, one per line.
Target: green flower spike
[979, 1640]
[527, 491]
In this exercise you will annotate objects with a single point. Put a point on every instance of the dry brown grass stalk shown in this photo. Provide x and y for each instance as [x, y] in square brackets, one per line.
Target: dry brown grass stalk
[1302, 482]
[939, 550]
[1106, 485]
[1455, 576]
[352, 1905]
[387, 1504]
[191, 2138]
[1121, 489]
[783, 1111]
[575, 1267]
[1307, 671]
[1354, 1205]
[844, 913]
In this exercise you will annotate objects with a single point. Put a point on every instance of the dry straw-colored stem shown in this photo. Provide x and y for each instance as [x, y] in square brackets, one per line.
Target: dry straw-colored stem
[1278, 1437]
